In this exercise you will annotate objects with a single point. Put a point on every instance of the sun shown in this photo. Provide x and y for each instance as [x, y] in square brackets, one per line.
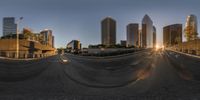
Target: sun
[157, 47]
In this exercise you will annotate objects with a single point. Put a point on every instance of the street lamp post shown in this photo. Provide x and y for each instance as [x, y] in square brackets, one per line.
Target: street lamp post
[17, 50]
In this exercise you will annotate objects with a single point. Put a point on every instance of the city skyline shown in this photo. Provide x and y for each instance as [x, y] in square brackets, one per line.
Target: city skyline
[100, 49]
[69, 22]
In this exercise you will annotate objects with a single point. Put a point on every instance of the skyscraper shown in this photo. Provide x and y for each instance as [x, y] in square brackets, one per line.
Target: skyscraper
[108, 31]
[191, 28]
[9, 26]
[154, 36]
[53, 41]
[172, 35]
[47, 37]
[140, 38]
[147, 32]
[133, 35]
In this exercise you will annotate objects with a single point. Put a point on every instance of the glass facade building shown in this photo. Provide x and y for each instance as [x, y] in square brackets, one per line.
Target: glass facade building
[191, 28]
[9, 26]
[133, 35]
[147, 32]
[108, 31]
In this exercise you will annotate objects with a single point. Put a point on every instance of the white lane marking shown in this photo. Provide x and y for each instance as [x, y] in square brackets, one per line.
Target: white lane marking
[64, 59]
[136, 62]
[135, 82]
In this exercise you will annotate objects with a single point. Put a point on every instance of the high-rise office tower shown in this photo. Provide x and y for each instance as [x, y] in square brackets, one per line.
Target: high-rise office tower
[53, 41]
[191, 28]
[108, 31]
[140, 38]
[133, 35]
[9, 26]
[147, 32]
[154, 36]
[172, 35]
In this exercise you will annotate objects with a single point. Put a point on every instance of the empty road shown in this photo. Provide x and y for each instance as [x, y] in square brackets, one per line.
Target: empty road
[145, 75]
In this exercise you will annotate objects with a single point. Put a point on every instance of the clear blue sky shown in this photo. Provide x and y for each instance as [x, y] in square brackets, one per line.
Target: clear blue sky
[80, 19]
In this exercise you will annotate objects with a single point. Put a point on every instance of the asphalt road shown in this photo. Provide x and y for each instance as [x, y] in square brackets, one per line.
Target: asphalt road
[146, 75]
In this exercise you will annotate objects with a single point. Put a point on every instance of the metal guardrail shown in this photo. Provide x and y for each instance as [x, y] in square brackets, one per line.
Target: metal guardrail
[191, 55]
[189, 47]
[186, 50]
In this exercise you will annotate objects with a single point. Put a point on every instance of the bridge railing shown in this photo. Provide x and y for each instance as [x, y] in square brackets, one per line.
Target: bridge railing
[190, 47]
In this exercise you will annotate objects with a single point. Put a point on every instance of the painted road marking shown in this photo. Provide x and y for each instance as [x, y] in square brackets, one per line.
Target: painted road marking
[63, 59]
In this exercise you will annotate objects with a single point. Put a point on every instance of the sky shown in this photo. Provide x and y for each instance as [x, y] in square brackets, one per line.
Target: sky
[80, 19]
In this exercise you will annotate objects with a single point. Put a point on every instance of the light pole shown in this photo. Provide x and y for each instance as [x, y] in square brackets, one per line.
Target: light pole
[17, 50]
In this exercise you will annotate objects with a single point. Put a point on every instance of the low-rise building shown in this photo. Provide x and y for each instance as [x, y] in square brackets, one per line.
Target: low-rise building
[123, 43]
[31, 45]
[74, 46]
[27, 49]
